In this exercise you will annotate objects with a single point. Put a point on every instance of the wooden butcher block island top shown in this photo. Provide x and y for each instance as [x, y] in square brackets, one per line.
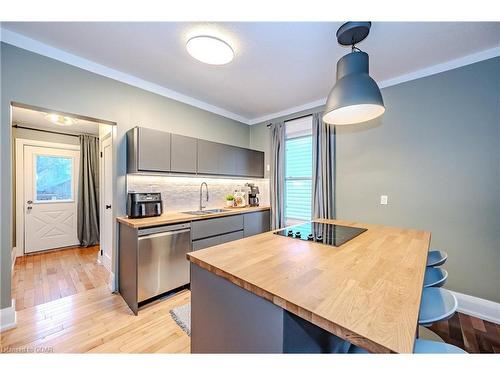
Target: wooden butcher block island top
[366, 291]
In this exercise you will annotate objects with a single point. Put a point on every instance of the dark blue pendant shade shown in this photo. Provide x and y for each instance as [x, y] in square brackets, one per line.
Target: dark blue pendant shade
[355, 97]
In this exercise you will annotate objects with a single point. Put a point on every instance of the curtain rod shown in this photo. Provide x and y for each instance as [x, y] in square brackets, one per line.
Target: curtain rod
[48, 131]
[292, 119]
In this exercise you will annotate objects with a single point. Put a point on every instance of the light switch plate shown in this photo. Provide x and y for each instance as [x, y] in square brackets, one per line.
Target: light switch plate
[383, 199]
[268, 167]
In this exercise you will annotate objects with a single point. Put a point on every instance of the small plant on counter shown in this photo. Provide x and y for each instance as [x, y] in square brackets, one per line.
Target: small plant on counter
[229, 200]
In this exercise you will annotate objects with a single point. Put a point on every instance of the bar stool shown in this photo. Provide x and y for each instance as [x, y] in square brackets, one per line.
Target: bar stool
[435, 347]
[435, 277]
[436, 258]
[421, 347]
[436, 304]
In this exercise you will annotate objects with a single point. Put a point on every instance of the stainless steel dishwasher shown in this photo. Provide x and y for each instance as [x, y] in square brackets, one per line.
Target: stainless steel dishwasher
[161, 260]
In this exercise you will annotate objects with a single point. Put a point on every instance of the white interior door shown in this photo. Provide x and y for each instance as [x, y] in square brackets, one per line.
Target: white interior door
[50, 193]
[106, 230]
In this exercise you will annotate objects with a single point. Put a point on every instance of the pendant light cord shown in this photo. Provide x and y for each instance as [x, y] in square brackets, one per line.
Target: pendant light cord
[355, 49]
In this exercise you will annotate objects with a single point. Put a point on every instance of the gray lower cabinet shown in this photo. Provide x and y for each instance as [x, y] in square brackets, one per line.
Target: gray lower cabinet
[217, 240]
[212, 232]
[148, 150]
[256, 222]
[205, 242]
[228, 237]
[183, 154]
[214, 227]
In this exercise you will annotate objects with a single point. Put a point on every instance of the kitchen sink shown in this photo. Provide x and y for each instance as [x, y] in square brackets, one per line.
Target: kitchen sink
[205, 212]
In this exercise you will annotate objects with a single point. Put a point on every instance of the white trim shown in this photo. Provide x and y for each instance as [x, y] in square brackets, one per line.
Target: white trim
[478, 307]
[20, 143]
[288, 111]
[13, 257]
[112, 283]
[40, 48]
[431, 70]
[8, 317]
[443, 67]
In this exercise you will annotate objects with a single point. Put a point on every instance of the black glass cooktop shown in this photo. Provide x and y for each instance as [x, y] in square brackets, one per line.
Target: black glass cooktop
[328, 234]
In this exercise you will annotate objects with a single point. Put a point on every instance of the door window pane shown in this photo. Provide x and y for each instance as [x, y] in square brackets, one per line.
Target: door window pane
[53, 179]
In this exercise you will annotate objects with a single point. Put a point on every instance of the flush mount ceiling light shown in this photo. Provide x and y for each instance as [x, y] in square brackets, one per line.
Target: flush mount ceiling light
[355, 97]
[60, 120]
[210, 50]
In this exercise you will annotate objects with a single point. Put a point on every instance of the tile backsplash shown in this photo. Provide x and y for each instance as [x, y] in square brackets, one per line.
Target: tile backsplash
[183, 193]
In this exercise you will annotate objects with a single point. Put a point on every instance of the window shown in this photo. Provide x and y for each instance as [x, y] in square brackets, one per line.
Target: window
[53, 178]
[298, 170]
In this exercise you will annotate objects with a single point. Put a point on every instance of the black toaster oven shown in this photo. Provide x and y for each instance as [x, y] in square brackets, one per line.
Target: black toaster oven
[144, 205]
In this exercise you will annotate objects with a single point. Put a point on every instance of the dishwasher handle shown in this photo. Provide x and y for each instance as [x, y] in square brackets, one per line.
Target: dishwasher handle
[162, 234]
[163, 228]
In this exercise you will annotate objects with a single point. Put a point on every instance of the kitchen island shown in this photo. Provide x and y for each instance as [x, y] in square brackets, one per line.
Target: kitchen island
[275, 294]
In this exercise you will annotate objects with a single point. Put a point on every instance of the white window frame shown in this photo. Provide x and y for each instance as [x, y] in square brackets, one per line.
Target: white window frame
[290, 220]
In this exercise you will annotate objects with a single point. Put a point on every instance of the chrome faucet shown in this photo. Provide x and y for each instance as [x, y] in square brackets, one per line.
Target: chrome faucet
[201, 192]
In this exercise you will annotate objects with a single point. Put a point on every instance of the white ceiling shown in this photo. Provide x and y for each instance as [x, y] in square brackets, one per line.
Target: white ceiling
[277, 65]
[35, 119]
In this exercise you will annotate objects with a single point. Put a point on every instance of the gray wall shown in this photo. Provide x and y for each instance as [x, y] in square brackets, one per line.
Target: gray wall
[436, 154]
[36, 80]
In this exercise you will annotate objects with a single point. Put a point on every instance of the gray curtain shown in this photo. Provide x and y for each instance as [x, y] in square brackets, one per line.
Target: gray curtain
[277, 175]
[88, 191]
[323, 178]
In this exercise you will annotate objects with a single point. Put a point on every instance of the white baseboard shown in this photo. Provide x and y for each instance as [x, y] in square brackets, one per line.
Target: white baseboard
[478, 307]
[8, 317]
[111, 284]
[13, 258]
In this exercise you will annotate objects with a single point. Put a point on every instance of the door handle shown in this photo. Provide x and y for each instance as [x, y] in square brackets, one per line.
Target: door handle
[30, 202]
[108, 206]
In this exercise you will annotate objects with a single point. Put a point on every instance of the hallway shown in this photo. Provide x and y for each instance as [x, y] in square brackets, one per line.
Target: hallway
[45, 277]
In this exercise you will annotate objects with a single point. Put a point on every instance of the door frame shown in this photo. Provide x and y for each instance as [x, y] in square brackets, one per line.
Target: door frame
[102, 203]
[20, 144]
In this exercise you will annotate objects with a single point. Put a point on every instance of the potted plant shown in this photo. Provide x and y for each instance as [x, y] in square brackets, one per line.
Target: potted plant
[229, 200]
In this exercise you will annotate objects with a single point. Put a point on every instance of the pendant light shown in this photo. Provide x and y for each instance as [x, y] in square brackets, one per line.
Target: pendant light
[355, 97]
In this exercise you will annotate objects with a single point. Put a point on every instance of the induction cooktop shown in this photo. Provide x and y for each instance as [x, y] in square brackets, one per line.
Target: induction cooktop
[328, 234]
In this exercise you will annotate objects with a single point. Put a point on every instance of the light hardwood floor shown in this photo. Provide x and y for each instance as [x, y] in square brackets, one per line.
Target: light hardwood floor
[45, 277]
[99, 322]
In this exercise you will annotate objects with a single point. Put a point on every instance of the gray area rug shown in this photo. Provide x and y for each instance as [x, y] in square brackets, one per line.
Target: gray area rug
[182, 316]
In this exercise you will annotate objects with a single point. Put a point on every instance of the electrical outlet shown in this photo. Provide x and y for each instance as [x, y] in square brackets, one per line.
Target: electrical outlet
[383, 199]
[268, 167]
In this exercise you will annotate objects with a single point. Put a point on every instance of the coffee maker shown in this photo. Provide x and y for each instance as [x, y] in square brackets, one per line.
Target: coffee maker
[253, 200]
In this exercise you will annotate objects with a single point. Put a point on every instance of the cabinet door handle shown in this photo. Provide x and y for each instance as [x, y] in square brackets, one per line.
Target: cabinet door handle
[108, 206]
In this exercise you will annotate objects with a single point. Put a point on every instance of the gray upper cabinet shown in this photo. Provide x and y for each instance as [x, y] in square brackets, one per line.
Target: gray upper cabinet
[256, 163]
[220, 159]
[183, 154]
[208, 157]
[148, 150]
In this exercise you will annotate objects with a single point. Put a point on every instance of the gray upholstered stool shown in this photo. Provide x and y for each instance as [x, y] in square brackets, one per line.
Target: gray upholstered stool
[436, 304]
[435, 277]
[436, 258]
[434, 347]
